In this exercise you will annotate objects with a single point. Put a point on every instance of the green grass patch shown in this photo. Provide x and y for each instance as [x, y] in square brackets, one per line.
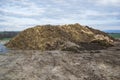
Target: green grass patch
[115, 35]
[5, 39]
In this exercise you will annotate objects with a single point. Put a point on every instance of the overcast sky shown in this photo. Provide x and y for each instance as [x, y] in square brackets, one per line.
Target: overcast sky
[21, 14]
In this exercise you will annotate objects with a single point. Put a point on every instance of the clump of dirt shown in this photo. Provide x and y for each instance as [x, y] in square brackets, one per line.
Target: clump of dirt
[58, 37]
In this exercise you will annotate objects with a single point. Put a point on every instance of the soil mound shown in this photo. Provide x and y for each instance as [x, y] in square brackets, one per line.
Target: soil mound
[62, 37]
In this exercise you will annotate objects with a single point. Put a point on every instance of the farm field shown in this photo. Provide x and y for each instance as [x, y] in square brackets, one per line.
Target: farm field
[115, 35]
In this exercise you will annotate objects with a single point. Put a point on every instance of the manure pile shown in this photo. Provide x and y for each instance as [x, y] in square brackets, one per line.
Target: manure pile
[60, 37]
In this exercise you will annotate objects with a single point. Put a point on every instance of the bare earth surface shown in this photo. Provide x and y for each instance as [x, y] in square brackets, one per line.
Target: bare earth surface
[61, 65]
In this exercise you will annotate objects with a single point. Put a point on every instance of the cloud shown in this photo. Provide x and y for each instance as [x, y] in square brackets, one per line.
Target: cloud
[13, 21]
[19, 14]
[107, 2]
[59, 1]
[92, 15]
[22, 7]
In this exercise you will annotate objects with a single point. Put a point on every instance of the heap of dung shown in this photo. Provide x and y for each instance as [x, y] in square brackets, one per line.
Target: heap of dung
[60, 37]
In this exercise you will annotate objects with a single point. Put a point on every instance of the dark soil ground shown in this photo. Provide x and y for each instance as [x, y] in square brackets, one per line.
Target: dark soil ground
[61, 65]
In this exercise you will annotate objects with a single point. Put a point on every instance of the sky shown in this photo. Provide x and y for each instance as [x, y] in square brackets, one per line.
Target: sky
[17, 15]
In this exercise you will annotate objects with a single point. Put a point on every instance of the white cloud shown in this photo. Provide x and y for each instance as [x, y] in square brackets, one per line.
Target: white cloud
[17, 22]
[107, 2]
[20, 14]
[23, 11]
[13, 21]
[92, 13]
[88, 14]
[60, 1]
[26, 8]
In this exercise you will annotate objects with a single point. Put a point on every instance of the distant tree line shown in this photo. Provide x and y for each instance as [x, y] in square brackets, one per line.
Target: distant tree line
[8, 34]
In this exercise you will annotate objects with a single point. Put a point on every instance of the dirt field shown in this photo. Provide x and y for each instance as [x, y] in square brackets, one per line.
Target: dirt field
[61, 65]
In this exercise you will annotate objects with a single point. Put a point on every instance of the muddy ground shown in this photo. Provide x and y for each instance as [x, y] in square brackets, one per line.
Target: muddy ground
[61, 65]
